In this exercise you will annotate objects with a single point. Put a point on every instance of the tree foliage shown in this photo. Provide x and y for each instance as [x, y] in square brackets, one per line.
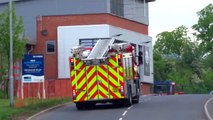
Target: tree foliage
[204, 28]
[19, 42]
[172, 42]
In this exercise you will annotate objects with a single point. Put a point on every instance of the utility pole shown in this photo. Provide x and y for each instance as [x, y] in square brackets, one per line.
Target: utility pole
[11, 56]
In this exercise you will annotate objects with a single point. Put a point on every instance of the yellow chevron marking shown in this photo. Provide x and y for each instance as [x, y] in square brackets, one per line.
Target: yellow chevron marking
[90, 73]
[93, 91]
[103, 90]
[72, 73]
[103, 81]
[80, 96]
[78, 66]
[112, 62]
[74, 80]
[112, 70]
[83, 80]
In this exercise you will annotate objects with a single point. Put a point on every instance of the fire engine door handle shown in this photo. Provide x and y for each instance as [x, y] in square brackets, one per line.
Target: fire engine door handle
[116, 67]
[79, 90]
[77, 69]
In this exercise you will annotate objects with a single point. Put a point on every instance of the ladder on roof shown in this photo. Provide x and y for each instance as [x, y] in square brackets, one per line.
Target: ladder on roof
[101, 48]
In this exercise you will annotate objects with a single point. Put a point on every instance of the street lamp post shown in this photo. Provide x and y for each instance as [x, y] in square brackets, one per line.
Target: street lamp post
[11, 57]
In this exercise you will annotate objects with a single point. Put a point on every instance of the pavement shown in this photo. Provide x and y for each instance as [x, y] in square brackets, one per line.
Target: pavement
[209, 109]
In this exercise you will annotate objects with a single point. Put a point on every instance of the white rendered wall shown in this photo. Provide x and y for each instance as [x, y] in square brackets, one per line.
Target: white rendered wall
[68, 37]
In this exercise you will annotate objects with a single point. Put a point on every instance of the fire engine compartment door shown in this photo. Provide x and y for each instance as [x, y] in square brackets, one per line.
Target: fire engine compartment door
[116, 78]
[97, 82]
[78, 80]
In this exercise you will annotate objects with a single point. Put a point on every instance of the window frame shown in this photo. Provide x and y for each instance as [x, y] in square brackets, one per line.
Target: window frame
[54, 46]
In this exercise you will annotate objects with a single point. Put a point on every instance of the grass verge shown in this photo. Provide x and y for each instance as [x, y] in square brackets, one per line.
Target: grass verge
[31, 107]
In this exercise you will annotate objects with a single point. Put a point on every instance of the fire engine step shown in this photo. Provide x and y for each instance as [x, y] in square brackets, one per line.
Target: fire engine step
[101, 48]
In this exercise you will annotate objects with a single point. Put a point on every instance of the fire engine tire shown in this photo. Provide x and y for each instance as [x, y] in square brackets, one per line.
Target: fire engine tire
[129, 100]
[90, 106]
[117, 103]
[137, 98]
[79, 106]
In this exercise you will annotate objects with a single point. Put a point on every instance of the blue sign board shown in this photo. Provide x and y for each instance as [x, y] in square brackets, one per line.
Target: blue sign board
[33, 68]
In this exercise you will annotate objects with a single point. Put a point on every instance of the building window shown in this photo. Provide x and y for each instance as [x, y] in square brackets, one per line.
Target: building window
[88, 43]
[50, 47]
[117, 7]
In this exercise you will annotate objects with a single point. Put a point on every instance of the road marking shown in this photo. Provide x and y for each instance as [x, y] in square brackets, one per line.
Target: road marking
[130, 107]
[206, 109]
[124, 113]
[120, 118]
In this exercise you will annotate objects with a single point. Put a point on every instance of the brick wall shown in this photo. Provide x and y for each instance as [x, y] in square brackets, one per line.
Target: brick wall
[146, 88]
[50, 23]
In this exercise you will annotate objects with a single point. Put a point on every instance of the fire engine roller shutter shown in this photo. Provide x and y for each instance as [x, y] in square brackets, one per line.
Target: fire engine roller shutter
[103, 83]
[97, 80]
[78, 79]
[92, 82]
[115, 78]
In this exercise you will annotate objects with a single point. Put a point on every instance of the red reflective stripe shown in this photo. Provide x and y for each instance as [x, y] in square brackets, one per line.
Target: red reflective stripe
[77, 62]
[102, 76]
[80, 69]
[114, 59]
[102, 94]
[81, 78]
[112, 84]
[89, 69]
[95, 94]
[113, 94]
[83, 86]
[83, 97]
[91, 77]
[111, 65]
[72, 77]
[104, 87]
[103, 67]
[112, 75]
[93, 85]
[121, 73]
[121, 83]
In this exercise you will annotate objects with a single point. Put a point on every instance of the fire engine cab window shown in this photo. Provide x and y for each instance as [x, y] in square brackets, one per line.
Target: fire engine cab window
[50, 46]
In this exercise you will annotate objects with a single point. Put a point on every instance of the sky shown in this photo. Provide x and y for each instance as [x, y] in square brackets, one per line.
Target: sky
[166, 15]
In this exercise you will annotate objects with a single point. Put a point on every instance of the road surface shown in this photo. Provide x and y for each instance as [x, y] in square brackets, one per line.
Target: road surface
[177, 107]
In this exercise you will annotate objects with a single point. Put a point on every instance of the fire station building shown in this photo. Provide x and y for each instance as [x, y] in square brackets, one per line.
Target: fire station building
[53, 27]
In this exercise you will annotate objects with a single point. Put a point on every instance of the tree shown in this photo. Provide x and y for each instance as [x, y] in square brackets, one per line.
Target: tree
[204, 29]
[19, 41]
[172, 42]
[177, 58]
